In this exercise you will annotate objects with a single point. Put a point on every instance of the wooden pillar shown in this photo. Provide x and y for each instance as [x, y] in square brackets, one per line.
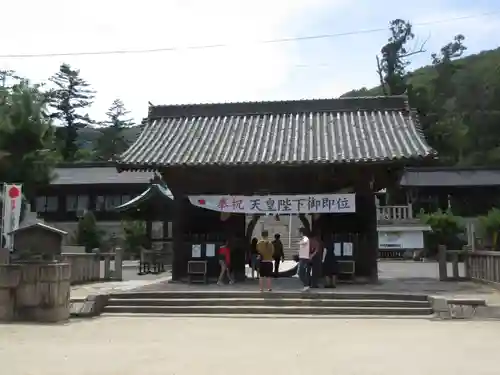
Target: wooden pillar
[366, 211]
[443, 263]
[164, 233]
[179, 266]
[149, 234]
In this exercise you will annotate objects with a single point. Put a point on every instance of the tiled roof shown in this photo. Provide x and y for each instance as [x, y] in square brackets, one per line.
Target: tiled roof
[450, 176]
[148, 196]
[97, 173]
[293, 132]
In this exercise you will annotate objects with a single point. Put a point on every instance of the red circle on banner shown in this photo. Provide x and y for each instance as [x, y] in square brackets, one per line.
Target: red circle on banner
[14, 192]
[201, 201]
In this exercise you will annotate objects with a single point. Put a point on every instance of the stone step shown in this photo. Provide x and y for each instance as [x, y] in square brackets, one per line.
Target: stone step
[276, 316]
[221, 295]
[281, 310]
[274, 302]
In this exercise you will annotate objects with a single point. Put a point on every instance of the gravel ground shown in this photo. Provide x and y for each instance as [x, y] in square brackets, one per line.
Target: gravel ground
[187, 346]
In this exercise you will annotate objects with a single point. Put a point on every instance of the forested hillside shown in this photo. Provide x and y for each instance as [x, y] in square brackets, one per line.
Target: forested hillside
[458, 98]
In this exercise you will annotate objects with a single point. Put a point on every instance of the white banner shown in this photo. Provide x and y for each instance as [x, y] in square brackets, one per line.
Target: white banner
[277, 204]
[12, 199]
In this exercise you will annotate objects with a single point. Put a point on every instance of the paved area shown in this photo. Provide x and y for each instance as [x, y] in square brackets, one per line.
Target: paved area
[186, 346]
[82, 291]
[395, 277]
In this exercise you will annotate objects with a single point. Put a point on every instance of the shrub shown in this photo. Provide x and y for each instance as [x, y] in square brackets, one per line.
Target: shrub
[135, 236]
[490, 226]
[87, 233]
[446, 230]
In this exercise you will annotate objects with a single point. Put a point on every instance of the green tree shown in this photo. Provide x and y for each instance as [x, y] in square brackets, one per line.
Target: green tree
[112, 141]
[135, 236]
[87, 233]
[26, 135]
[68, 100]
[446, 230]
[458, 101]
[490, 225]
[441, 119]
[395, 58]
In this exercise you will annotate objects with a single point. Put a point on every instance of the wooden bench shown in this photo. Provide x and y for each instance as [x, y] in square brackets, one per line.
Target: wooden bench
[197, 271]
[461, 303]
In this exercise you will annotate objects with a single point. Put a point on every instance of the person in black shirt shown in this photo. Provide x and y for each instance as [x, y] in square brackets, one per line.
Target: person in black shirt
[330, 265]
[254, 258]
[316, 259]
[279, 255]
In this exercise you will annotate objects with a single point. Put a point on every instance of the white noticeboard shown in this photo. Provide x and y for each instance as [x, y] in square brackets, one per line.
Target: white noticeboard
[210, 250]
[196, 251]
[348, 249]
[337, 249]
[401, 240]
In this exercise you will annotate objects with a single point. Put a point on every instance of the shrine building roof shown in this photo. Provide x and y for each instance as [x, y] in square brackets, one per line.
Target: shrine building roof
[450, 176]
[300, 132]
[96, 173]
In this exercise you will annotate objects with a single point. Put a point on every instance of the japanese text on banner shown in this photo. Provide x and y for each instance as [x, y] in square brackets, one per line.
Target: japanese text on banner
[274, 204]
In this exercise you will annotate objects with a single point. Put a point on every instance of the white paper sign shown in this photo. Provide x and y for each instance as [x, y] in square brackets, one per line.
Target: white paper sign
[337, 249]
[12, 200]
[210, 250]
[196, 251]
[348, 249]
[274, 204]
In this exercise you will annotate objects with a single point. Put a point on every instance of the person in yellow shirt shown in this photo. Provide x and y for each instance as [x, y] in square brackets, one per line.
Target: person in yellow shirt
[265, 249]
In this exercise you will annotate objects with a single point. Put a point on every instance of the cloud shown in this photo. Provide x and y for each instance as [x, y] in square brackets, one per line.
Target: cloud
[240, 72]
[352, 58]
[246, 70]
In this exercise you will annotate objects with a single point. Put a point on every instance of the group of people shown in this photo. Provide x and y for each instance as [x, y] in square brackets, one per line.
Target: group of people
[315, 261]
[261, 257]
[254, 257]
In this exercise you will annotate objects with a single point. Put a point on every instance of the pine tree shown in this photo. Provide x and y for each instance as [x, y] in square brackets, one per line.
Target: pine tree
[71, 96]
[112, 141]
[26, 136]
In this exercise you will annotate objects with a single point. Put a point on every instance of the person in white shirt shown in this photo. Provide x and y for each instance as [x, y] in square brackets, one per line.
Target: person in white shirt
[304, 259]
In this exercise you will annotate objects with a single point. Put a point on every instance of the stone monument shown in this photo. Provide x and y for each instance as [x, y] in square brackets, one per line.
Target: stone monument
[34, 286]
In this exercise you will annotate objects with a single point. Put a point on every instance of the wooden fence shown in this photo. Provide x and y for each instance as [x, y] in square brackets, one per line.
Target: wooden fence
[94, 266]
[478, 265]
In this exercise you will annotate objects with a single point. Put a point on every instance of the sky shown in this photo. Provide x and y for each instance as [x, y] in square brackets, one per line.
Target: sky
[244, 69]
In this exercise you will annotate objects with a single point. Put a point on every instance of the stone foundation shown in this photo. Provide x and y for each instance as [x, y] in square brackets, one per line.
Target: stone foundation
[38, 292]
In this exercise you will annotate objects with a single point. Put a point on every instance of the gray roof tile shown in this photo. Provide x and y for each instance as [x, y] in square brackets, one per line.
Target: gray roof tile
[294, 132]
[90, 174]
[451, 176]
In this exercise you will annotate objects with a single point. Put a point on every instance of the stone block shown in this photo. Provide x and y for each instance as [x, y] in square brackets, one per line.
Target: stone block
[9, 280]
[4, 256]
[6, 305]
[10, 275]
[37, 292]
